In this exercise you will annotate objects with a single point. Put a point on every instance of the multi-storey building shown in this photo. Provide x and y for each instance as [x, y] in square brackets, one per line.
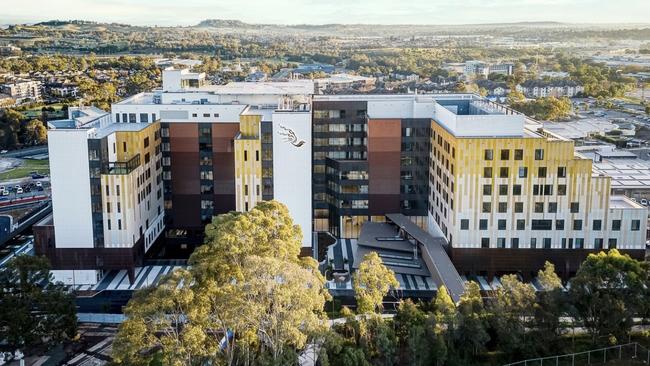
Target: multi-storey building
[504, 193]
[22, 90]
[227, 147]
[106, 195]
[552, 88]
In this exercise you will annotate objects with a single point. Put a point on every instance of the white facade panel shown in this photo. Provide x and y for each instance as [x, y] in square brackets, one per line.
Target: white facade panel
[292, 167]
[68, 151]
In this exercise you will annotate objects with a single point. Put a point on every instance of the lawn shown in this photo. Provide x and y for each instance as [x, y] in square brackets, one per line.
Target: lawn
[29, 165]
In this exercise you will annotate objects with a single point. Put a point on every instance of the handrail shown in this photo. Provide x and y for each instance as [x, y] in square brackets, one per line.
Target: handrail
[540, 360]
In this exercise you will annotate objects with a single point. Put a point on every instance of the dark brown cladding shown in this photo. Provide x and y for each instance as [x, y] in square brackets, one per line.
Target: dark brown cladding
[492, 261]
[186, 186]
[384, 158]
[223, 161]
[86, 258]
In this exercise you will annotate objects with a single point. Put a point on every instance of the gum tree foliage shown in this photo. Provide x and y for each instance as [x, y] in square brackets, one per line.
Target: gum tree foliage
[511, 315]
[371, 283]
[35, 311]
[246, 281]
[607, 292]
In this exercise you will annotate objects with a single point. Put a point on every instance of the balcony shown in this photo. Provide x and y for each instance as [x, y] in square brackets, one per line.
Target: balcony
[121, 167]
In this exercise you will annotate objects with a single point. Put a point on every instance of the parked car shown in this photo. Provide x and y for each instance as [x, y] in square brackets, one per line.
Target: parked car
[644, 201]
[39, 184]
[19, 190]
[35, 175]
[4, 193]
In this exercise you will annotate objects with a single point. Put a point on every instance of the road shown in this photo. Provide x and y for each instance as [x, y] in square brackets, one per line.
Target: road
[36, 150]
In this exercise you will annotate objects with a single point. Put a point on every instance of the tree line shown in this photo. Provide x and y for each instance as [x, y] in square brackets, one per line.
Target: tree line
[248, 299]
[515, 322]
[17, 130]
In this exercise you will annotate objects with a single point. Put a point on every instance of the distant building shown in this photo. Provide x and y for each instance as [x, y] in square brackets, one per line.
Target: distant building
[22, 90]
[554, 74]
[313, 68]
[503, 69]
[552, 88]
[494, 89]
[70, 90]
[343, 81]
[474, 68]
[9, 50]
[257, 76]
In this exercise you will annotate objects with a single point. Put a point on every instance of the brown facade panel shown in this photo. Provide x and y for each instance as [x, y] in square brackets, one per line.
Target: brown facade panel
[186, 210]
[384, 159]
[223, 161]
[86, 258]
[491, 261]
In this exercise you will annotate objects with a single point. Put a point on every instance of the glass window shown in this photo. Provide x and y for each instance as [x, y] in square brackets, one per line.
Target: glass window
[539, 207]
[483, 224]
[521, 224]
[487, 172]
[577, 224]
[519, 154]
[539, 154]
[503, 207]
[485, 242]
[523, 172]
[464, 224]
[552, 207]
[501, 242]
[616, 225]
[611, 243]
[505, 154]
[514, 243]
[487, 207]
[597, 225]
[519, 207]
[561, 172]
[488, 154]
[541, 172]
[636, 225]
[516, 189]
[559, 224]
[598, 243]
[504, 172]
[575, 207]
[487, 189]
[503, 189]
[541, 225]
[561, 189]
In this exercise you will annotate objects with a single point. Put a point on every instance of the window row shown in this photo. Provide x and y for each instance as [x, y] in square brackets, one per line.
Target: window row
[540, 225]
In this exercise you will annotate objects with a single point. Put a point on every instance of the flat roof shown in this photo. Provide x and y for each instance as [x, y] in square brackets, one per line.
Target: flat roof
[300, 87]
[623, 202]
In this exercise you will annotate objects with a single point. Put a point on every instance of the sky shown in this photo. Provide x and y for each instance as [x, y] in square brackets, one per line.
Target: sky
[190, 12]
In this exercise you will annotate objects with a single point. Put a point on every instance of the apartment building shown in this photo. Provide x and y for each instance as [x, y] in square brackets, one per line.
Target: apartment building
[22, 90]
[504, 193]
[552, 88]
[106, 195]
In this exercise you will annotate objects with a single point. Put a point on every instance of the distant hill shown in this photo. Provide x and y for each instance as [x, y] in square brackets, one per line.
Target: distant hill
[225, 23]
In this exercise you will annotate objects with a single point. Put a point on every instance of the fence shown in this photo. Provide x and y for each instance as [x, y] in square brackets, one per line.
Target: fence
[623, 354]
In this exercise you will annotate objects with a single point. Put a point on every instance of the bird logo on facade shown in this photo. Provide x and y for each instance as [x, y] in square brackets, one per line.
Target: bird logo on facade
[290, 136]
